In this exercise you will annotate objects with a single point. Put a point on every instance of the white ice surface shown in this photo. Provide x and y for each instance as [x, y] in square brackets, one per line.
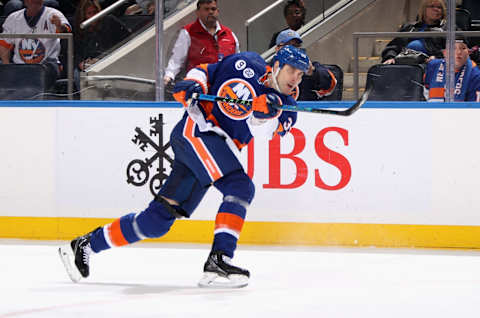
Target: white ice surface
[155, 280]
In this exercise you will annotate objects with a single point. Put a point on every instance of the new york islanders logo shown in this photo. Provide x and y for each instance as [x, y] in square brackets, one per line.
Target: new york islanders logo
[239, 89]
[32, 51]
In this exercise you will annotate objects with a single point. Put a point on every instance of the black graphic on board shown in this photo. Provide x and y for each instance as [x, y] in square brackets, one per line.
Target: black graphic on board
[138, 171]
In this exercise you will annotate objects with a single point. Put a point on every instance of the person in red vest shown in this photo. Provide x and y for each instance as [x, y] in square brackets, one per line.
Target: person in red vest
[203, 41]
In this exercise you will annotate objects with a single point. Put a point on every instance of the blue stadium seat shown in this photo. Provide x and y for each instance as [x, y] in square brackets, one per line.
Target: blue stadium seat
[393, 82]
[23, 81]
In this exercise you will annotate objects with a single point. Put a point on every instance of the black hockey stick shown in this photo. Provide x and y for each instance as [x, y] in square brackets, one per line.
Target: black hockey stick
[294, 108]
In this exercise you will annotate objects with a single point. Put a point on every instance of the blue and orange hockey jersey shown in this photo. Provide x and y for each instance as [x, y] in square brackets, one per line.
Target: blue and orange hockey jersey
[237, 76]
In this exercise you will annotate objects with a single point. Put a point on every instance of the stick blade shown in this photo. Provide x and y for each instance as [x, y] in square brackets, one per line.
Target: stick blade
[360, 102]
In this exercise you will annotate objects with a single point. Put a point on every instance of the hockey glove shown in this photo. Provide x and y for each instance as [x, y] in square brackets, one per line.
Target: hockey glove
[285, 123]
[184, 90]
[263, 106]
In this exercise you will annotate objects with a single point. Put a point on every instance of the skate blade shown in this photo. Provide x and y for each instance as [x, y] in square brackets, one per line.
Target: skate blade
[67, 257]
[213, 280]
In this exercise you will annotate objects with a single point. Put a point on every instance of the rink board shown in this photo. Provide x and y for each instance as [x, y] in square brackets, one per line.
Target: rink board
[393, 174]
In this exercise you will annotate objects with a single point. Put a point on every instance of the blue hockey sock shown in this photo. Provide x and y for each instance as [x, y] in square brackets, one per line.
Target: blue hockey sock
[228, 226]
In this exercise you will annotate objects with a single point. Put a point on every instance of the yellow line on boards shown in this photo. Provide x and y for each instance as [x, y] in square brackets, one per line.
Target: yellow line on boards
[263, 233]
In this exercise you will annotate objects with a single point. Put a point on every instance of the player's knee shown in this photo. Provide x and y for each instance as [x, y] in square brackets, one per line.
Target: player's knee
[251, 190]
[237, 186]
[172, 207]
[155, 220]
[183, 188]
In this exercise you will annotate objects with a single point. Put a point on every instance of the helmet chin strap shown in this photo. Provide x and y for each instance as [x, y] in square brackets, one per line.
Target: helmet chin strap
[274, 79]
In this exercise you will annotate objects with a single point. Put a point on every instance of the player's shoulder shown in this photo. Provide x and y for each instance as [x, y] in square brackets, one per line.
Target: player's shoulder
[249, 63]
[251, 58]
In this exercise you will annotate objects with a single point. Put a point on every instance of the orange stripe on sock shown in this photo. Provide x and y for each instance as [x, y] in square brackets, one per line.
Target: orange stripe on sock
[115, 234]
[229, 220]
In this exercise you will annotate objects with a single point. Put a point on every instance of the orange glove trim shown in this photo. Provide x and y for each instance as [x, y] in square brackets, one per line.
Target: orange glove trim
[259, 104]
[180, 97]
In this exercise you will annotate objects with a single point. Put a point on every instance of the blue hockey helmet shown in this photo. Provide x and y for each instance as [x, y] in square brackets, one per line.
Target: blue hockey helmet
[292, 56]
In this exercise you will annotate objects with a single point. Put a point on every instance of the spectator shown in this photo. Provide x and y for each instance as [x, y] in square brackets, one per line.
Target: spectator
[294, 13]
[98, 37]
[203, 41]
[147, 7]
[15, 5]
[35, 18]
[432, 14]
[467, 76]
[318, 82]
[141, 7]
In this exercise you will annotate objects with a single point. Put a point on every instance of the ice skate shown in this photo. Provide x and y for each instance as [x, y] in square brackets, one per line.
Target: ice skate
[75, 256]
[220, 273]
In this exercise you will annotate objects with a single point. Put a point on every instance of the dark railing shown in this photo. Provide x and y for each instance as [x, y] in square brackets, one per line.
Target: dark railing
[102, 13]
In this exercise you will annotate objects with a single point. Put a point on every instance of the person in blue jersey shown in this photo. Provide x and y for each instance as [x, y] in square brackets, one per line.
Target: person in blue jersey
[467, 76]
[206, 143]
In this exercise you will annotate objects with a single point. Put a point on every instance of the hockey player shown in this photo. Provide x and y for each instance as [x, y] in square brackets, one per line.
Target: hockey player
[318, 81]
[206, 142]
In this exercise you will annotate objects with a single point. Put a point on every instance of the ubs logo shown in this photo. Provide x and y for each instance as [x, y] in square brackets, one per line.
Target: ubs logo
[138, 171]
[236, 88]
